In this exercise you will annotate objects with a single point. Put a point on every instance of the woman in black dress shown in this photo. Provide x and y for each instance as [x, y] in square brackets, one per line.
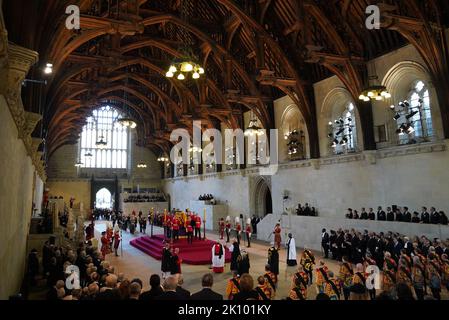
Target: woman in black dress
[235, 254]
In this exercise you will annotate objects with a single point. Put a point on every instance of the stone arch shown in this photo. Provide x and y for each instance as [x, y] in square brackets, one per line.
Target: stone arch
[262, 197]
[399, 80]
[291, 119]
[333, 105]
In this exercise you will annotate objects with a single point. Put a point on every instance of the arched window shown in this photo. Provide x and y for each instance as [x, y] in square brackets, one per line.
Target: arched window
[344, 131]
[415, 113]
[102, 126]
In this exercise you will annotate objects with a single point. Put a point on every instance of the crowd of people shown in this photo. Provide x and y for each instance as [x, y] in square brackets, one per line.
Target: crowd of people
[418, 263]
[400, 214]
[145, 198]
[206, 197]
[306, 210]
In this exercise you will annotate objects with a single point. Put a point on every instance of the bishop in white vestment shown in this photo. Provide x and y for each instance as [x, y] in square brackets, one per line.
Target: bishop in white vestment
[218, 257]
[291, 251]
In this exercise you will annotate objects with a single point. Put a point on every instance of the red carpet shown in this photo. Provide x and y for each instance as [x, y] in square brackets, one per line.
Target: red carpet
[197, 253]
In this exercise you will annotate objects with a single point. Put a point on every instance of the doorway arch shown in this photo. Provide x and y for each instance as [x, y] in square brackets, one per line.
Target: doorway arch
[263, 202]
[104, 199]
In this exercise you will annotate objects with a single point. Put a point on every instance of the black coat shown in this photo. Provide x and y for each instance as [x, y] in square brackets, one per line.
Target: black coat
[151, 294]
[246, 295]
[185, 294]
[169, 296]
[206, 294]
[166, 259]
[244, 265]
[273, 260]
[234, 256]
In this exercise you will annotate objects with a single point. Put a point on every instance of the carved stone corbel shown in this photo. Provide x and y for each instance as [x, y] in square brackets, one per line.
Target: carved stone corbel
[20, 62]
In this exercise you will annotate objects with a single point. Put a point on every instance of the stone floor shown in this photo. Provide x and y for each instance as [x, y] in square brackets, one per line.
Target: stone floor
[136, 264]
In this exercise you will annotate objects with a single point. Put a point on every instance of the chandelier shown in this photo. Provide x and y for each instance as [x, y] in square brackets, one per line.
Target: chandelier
[78, 164]
[88, 154]
[377, 93]
[101, 143]
[127, 122]
[294, 144]
[162, 159]
[141, 165]
[181, 69]
[253, 129]
[195, 149]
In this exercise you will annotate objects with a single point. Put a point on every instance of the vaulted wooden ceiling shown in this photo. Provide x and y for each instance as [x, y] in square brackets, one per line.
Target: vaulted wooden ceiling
[253, 52]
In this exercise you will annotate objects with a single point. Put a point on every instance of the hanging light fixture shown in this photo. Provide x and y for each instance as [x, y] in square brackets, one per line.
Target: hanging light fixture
[101, 143]
[126, 121]
[141, 165]
[253, 129]
[377, 93]
[88, 154]
[78, 164]
[162, 159]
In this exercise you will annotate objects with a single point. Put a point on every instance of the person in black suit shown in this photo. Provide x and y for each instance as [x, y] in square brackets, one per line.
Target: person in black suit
[155, 291]
[399, 215]
[325, 242]
[333, 244]
[434, 216]
[443, 218]
[307, 211]
[170, 293]
[415, 218]
[207, 293]
[381, 216]
[407, 216]
[371, 214]
[349, 215]
[364, 214]
[425, 217]
[390, 214]
[185, 294]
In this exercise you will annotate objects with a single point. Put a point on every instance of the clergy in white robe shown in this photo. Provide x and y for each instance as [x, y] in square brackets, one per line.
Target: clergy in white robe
[218, 258]
[291, 251]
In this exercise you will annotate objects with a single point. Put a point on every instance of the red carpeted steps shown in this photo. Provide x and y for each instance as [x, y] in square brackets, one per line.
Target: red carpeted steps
[197, 253]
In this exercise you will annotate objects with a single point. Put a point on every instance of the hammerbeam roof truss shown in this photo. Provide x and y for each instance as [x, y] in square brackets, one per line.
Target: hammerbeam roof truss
[252, 51]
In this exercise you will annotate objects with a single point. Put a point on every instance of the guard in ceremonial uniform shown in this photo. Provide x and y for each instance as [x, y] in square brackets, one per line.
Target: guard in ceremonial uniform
[345, 277]
[228, 228]
[175, 228]
[263, 289]
[117, 239]
[433, 272]
[238, 229]
[308, 263]
[271, 279]
[105, 245]
[277, 236]
[221, 228]
[248, 234]
[189, 231]
[233, 286]
[299, 286]
[404, 274]
[332, 287]
[419, 278]
[389, 273]
[321, 276]
[369, 261]
[445, 270]
[198, 226]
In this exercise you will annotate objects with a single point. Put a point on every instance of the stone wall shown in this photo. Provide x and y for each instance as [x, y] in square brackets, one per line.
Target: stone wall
[64, 179]
[16, 196]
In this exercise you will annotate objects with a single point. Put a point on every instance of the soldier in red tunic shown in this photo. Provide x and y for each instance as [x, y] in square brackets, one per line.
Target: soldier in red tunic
[175, 228]
[221, 227]
[198, 226]
[248, 234]
[105, 248]
[117, 239]
[277, 236]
